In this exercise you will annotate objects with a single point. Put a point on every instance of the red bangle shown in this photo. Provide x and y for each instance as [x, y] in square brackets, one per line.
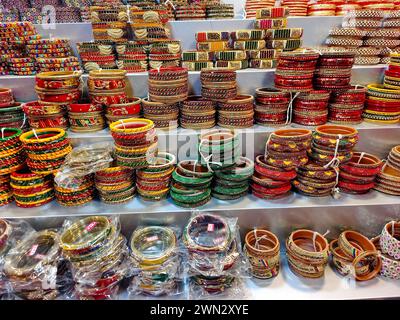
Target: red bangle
[355, 186]
[271, 191]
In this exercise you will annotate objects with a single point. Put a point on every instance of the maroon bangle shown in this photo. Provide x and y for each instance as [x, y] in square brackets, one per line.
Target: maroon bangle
[270, 191]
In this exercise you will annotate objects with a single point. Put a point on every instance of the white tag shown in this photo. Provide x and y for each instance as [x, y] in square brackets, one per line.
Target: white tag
[91, 225]
[153, 238]
[33, 250]
[49, 281]
[210, 227]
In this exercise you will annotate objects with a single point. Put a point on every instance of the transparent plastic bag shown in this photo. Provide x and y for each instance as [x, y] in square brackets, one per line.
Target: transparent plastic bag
[216, 264]
[98, 255]
[83, 161]
[156, 256]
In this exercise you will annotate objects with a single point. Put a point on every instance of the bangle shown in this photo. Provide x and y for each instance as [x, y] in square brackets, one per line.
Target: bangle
[249, 44]
[270, 23]
[198, 56]
[272, 12]
[389, 242]
[390, 266]
[205, 36]
[213, 46]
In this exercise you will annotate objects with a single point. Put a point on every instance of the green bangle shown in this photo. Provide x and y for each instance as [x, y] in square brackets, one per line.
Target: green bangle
[190, 180]
[192, 205]
[191, 198]
[229, 183]
[221, 196]
[193, 168]
[237, 173]
[17, 133]
[230, 191]
[187, 190]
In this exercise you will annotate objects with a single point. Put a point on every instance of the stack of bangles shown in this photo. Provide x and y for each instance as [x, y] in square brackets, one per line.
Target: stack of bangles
[31, 189]
[155, 259]
[334, 69]
[311, 108]
[333, 143]
[115, 184]
[394, 157]
[11, 152]
[86, 117]
[382, 105]
[358, 175]
[367, 55]
[287, 148]
[107, 87]
[190, 12]
[262, 59]
[295, 70]
[388, 243]
[233, 183]
[346, 37]
[392, 74]
[22, 66]
[59, 87]
[271, 106]
[213, 252]
[237, 112]
[262, 250]
[296, 7]
[269, 182]
[6, 193]
[164, 116]
[46, 149]
[81, 193]
[307, 253]
[197, 113]
[135, 142]
[346, 106]
[168, 85]
[6, 231]
[219, 148]
[354, 254]
[218, 84]
[252, 6]
[11, 113]
[315, 180]
[130, 109]
[153, 182]
[321, 9]
[69, 63]
[388, 180]
[31, 263]
[96, 55]
[191, 184]
[45, 115]
[132, 57]
[97, 251]
[220, 11]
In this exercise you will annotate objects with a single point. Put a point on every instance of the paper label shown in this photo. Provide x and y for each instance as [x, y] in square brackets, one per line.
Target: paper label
[49, 281]
[153, 238]
[91, 225]
[210, 227]
[33, 250]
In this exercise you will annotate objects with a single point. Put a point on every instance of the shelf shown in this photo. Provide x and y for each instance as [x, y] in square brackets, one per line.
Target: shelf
[247, 203]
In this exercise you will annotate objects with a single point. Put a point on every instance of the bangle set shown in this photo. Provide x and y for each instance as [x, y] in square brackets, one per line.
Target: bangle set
[81, 193]
[97, 252]
[236, 113]
[218, 84]
[45, 115]
[32, 263]
[46, 149]
[262, 250]
[130, 109]
[394, 157]
[86, 117]
[354, 254]
[307, 253]
[153, 182]
[11, 151]
[311, 108]
[164, 116]
[155, 259]
[271, 106]
[197, 113]
[296, 8]
[96, 55]
[388, 180]
[346, 106]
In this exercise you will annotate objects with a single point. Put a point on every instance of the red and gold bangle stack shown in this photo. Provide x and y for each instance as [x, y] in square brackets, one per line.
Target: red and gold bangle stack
[59, 87]
[296, 7]
[165, 53]
[252, 6]
[346, 106]
[153, 182]
[307, 252]
[46, 149]
[21, 66]
[107, 87]
[311, 108]
[12, 155]
[168, 85]
[135, 142]
[109, 24]
[382, 105]
[45, 115]
[295, 70]
[334, 69]
[197, 113]
[132, 56]
[388, 180]
[165, 116]
[237, 112]
[392, 74]
[31, 189]
[115, 184]
[96, 55]
[190, 12]
[321, 9]
[354, 254]
[6, 193]
[333, 142]
[86, 117]
[358, 175]
[262, 250]
[394, 157]
[287, 148]
[218, 84]
[130, 109]
[11, 113]
[271, 106]
[80, 194]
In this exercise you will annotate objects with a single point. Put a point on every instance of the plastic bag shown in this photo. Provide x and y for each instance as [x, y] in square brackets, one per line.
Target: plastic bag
[83, 161]
[98, 254]
[156, 256]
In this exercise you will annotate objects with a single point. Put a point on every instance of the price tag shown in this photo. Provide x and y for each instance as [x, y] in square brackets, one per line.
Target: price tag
[153, 238]
[33, 250]
[91, 225]
[210, 227]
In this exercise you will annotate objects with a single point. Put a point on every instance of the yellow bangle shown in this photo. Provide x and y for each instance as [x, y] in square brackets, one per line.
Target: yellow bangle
[390, 86]
[114, 127]
[382, 121]
[153, 193]
[27, 136]
[381, 88]
[36, 193]
[383, 113]
[52, 155]
[136, 151]
[382, 99]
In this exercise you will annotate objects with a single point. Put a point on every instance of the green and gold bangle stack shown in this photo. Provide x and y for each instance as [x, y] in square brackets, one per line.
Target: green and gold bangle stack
[6, 194]
[233, 183]
[12, 156]
[115, 184]
[191, 184]
[196, 60]
[155, 261]
[219, 148]
[81, 193]
[153, 182]
[197, 113]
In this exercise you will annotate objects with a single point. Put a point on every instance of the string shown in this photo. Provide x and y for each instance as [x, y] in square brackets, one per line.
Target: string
[290, 108]
[266, 146]
[392, 228]
[128, 12]
[170, 2]
[313, 239]
[123, 123]
[335, 161]
[256, 244]
[23, 122]
[361, 156]
[34, 132]
[207, 159]
[2, 133]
